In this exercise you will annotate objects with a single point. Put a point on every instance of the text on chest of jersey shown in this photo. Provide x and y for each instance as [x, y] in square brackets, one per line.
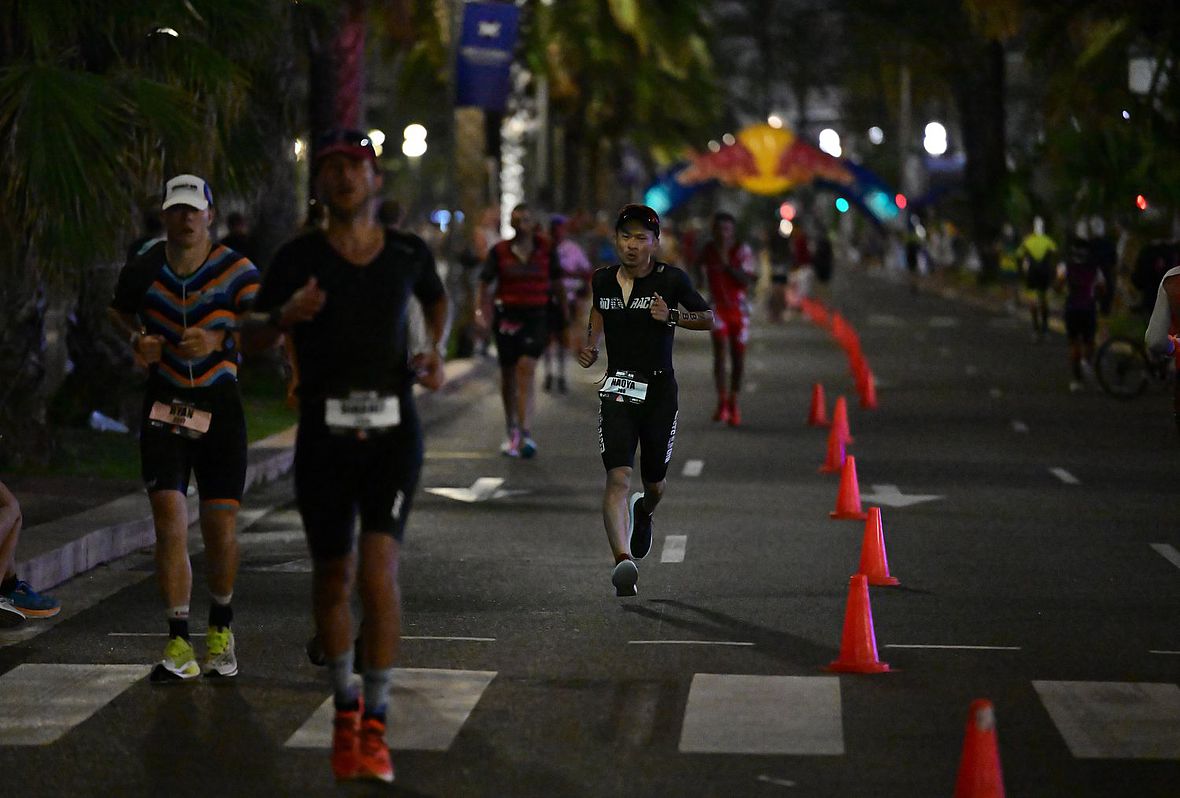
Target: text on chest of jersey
[616, 303]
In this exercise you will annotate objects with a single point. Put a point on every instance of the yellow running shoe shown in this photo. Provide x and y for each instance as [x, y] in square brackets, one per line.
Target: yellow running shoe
[179, 663]
[220, 659]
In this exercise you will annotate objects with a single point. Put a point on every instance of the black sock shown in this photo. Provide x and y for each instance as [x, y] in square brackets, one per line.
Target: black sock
[379, 714]
[220, 615]
[178, 627]
[8, 585]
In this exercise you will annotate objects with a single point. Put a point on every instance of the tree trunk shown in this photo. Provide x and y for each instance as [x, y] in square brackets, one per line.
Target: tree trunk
[24, 367]
[979, 94]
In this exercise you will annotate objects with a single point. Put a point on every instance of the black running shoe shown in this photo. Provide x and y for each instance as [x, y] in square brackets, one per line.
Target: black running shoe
[641, 528]
[624, 577]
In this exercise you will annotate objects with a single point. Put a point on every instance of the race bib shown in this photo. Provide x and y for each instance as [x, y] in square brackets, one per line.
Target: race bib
[181, 418]
[361, 411]
[624, 386]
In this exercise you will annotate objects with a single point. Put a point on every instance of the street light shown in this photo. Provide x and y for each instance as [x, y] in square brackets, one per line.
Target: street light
[876, 135]
[414, 143]
[775, 121]
[934, 139]
[378, 139]
[829, 142]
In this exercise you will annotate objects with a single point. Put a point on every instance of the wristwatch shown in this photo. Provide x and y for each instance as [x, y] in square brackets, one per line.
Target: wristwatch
[673, 317]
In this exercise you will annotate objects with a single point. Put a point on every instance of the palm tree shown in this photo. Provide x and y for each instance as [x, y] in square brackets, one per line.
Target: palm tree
[98, 102]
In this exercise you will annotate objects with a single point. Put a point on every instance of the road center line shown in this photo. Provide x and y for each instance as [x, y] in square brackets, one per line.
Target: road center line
[1019, 426]
[1065, 476]
[456, 639]
[674, 546]
[1159, 651]
[688, 643]
[693, 468]
[964, 648]
[1168, 552]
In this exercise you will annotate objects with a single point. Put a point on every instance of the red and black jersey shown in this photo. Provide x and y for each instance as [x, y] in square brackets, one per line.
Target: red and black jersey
[518, 284]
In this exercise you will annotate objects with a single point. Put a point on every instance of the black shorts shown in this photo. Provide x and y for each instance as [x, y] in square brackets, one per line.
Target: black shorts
[1038, 278]
[651, 426]
[1081, 324]
[217, 458]
[521, 333]
[338, 476]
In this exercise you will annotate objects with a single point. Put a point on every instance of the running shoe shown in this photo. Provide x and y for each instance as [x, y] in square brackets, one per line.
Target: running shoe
[735, 415]
[722, 412]
[528, 447]
[10, 616]
[624, 577]
[179, 663]
[346, 735]
[639, 534]
[511, 445]
[373, 760]
[220, 660]
[32, 603]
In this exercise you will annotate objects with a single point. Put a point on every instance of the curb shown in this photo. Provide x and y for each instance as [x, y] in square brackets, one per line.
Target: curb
[66, 547]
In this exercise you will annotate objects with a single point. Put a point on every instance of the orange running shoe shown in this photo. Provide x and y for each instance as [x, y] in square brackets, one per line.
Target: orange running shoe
[346, 730]
[373, 758]
[722, 412]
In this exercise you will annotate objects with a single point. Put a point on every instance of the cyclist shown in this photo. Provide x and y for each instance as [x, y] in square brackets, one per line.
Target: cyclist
[1160, 339]
[180, 303]
[637, 304]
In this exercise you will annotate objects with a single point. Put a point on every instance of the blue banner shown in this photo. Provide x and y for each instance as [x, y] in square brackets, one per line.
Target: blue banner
[486, 45]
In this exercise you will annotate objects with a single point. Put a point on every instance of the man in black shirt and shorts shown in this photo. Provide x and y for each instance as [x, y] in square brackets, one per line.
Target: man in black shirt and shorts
[343, 296]
[637, 304]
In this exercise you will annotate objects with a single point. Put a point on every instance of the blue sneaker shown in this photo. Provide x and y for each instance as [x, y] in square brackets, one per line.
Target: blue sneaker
[32, 603]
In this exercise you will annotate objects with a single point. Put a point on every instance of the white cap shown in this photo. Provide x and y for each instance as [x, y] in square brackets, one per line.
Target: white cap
[187, 190]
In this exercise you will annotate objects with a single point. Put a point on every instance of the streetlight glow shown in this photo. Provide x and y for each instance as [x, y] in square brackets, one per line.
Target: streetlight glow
[775, 121]
[934, 140]
[876, 135]
[829, 142]
[728, 139]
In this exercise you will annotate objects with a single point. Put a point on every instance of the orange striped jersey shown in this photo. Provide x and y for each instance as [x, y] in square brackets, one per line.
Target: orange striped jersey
[214, 297]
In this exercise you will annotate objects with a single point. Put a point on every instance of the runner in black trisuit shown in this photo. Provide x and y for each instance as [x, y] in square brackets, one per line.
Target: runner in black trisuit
[343, 297]
[638, 304]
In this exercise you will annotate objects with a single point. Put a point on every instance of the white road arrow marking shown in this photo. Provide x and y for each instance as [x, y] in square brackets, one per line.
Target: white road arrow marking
[481, 490]
[891, 496]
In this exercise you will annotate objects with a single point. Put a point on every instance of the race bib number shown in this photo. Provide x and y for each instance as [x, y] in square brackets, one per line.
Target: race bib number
[624, 386]
[363, 411]
[181, 418]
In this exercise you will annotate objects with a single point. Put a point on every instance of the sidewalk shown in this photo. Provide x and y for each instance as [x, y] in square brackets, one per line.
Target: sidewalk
[99, 529]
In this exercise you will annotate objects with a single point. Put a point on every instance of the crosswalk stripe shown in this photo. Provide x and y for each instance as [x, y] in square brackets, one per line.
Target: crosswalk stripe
[1168, 552]
[427, 708]
[1115, 720]
[1065, 476]
[746, 714]
[674, 548]
[40, 703]
[693, 468]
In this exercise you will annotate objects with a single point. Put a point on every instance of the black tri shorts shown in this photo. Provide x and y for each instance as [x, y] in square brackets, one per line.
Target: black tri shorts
[217, 457]
[520, 333]
[1081, 324]
[651, 426]
[339, 476]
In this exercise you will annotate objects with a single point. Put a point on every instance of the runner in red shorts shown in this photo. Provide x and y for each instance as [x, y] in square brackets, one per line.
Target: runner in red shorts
[728, 267]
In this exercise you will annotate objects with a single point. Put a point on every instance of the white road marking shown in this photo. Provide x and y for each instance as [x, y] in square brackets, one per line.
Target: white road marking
[301, 565]
[481, 490]
[430, 705]
[278, 536]
[1065, 476]
[461, 455]
[883, 320]
[776, 782]
[1158, 651]
[674, 548]
[891, 496]
[142, 634]
[1115, 720]
[964, 647]
[971, 371]
[1168, 552]
[995, 393]
[457, 639]
[744, 714]
[750, 387]
[39, 703]
[942, 322]
[247, 518]
[1019, 426]
[688, 643]
[693, 468]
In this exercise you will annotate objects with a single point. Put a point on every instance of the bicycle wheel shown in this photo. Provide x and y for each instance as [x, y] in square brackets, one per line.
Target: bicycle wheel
[1121, 367]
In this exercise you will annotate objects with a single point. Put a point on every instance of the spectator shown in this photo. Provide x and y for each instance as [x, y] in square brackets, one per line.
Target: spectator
[17, 599]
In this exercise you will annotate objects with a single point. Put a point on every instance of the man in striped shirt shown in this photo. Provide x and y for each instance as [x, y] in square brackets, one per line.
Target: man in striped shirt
[179, 303]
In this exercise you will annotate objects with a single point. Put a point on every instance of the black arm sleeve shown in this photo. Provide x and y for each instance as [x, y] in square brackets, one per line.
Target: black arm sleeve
[136, 278]
[282, 279]
[428, 288]
[689, 297]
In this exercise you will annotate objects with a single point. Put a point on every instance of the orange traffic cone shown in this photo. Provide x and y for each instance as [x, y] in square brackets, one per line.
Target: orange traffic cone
[848, 499]
[873, 563]
[979, 767]
[868, 392]
[835, 459]
[818, 415]
[858, 646]
[840, 419]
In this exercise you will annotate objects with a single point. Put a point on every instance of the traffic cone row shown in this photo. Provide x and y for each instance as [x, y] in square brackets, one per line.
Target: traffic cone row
[979, 774]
